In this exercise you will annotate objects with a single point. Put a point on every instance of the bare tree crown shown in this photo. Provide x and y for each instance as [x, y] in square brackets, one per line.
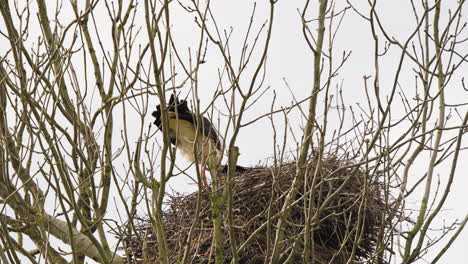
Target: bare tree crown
[81, 165]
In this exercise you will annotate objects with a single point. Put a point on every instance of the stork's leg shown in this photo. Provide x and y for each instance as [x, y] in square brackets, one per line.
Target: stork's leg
[203, 177]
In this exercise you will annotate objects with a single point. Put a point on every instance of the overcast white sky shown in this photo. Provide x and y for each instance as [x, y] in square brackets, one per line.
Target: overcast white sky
[290, 60]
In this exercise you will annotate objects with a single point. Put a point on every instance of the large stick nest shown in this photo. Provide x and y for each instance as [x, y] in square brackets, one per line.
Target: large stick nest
[347, 227]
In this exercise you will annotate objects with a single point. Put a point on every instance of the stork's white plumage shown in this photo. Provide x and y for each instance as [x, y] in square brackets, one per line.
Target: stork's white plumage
[205, 148]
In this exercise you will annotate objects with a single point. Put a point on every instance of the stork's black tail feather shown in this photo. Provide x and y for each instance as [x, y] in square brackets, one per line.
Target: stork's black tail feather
[239, 169]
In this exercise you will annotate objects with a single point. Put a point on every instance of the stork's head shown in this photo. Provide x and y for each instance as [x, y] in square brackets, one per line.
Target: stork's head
[174, 105]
